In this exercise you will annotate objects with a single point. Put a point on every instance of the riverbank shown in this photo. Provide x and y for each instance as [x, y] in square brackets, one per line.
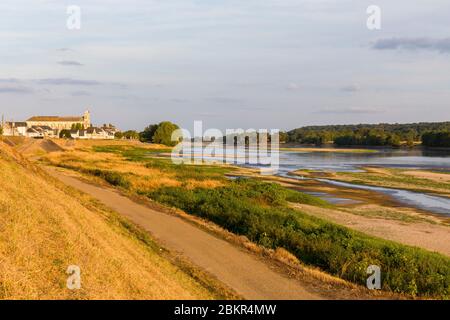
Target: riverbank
[331, 149]
[259, 211]
[419, 180]
[48, 229]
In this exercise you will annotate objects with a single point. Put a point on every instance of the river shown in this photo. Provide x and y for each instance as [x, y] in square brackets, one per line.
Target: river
[345, 162]
[338, 161]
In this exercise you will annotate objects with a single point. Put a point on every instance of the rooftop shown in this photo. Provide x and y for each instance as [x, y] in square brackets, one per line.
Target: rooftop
[15, 124]
[55, 119]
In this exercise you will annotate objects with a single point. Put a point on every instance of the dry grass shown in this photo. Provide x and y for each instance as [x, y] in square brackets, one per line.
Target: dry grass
[43, 230]
[145, 179]
[82, 144]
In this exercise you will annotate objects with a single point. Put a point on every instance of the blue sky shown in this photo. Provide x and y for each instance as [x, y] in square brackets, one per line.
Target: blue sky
[248, 63]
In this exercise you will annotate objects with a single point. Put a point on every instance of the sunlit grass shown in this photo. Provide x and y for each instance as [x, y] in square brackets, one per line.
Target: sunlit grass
[45, 227]
[261, 212]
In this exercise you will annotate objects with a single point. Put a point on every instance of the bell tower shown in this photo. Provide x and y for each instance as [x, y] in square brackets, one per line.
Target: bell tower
[87, 119]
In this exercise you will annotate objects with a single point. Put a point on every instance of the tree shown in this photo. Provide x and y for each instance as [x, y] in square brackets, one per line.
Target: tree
[283, 137]
[436, 139]
[393, 140]
[410, 142]
[65, 134]
[131, 135]
[148, 133]
[163, 134]
[118, 135]
[77, 126]
[368, 134]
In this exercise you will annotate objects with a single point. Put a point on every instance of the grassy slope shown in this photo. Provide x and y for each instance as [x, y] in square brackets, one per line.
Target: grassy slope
[259, 211]
[43, 230]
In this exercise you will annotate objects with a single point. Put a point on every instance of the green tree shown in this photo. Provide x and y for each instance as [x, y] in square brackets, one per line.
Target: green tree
[77, 126]
[131, 135]
[148, 133]
[65, 134]
[118, 135]
[283, 137]
[163, 135]
[436, 139]
[410, 142]
[393, 140]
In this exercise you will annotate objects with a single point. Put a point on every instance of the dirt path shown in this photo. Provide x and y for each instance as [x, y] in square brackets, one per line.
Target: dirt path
[249, 276]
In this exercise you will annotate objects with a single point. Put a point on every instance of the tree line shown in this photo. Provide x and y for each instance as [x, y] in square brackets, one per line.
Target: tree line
[431, 134]
[160, 133]
[436, 139]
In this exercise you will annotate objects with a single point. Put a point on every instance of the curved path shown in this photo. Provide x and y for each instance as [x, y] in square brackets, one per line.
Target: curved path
[247, 275]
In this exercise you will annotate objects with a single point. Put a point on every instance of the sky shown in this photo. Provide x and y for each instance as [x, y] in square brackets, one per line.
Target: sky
[274, 64]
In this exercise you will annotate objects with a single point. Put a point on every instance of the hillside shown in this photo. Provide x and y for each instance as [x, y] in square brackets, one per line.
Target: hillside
[45, 227]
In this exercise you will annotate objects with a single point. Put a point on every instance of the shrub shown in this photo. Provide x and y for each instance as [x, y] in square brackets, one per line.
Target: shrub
[112, 177]
[163, 134]
[65, 134]
[258, 211]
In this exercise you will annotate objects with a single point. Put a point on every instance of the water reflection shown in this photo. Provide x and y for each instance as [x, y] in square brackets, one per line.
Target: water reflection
[419, 200]
[344, 162]
[352, 162]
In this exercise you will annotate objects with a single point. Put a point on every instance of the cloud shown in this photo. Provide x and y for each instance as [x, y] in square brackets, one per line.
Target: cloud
[293, 86]
[70, 63]
[351, 88]
[15, 90]
[10, 80]
[351, 110]
[201, 115]
[80, 93]
[225, 100]
[68, 82]
[179, 100]
[440, 45]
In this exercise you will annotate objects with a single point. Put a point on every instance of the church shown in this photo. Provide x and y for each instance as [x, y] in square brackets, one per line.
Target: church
[52, 127]
[60, 123]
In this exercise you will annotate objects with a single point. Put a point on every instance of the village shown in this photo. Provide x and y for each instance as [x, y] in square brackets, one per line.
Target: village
[71, 127]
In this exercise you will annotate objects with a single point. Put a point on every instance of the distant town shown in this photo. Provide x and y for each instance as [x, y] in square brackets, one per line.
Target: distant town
[75, 127]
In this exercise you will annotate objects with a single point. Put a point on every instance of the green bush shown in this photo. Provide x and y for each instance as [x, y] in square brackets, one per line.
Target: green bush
[65, 134]
[163, 134]
[184, 172]
[114, 178]
[258, 211]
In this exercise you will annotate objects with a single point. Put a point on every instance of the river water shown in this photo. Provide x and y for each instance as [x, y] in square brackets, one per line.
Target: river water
[334, 161]
[352, 162]
[290, 161]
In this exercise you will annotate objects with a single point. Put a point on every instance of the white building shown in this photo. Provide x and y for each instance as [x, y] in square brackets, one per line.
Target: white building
[14, 129]
[92, 133]
[60, 123]
[51, 127]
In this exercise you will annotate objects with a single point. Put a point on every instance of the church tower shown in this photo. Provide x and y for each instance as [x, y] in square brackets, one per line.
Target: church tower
[87, 119]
